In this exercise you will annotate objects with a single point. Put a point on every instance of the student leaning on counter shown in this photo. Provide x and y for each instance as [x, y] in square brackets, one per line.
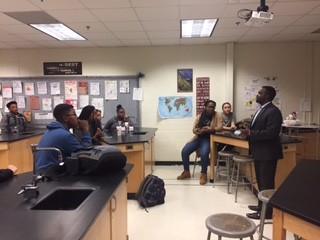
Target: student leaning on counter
[120, 119]
[59, 136]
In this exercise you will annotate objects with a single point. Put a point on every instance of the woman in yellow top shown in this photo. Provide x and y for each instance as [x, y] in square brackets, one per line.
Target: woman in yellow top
[205, 124]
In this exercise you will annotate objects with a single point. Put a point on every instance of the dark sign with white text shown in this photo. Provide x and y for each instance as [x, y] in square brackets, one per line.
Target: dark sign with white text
[62, 68]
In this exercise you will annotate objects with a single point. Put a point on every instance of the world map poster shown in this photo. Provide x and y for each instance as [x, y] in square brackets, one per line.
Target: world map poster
[175, 107]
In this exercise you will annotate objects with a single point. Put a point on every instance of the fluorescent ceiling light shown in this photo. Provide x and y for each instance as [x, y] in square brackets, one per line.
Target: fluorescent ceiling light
[58, 31]
[197, 28]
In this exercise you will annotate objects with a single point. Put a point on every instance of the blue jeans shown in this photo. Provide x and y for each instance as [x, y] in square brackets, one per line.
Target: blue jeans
[204, 146]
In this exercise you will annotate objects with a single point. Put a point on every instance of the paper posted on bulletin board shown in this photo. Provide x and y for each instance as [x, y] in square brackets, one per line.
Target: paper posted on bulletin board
[252, 89]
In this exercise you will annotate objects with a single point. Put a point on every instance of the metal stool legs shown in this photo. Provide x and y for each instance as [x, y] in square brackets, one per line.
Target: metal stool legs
[264, 196]
[196, 161]
[237, 164]
[227, 155]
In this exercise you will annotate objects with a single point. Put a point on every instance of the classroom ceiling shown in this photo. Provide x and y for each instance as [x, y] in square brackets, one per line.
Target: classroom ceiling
[124, 23]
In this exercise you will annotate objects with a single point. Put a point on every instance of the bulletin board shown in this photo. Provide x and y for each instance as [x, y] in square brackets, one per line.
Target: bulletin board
[39, 95]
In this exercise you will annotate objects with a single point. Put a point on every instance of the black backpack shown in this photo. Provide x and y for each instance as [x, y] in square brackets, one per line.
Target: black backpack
[97, 160]
[151, 192]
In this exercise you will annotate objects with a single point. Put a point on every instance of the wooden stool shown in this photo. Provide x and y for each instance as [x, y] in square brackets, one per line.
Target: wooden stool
[230, 225]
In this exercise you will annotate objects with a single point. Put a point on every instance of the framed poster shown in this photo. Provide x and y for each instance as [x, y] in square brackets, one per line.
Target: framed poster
[184, 80]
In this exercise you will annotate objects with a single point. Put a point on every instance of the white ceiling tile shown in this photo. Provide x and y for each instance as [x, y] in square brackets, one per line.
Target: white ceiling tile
[99, 36]
[18, 28]
[88, 27]
[283, 20]
[157, 22]
[58, 4]
[164, 41]
[17, 6]
[107, 43]
[308, 20]
[124, 26]
[66, 16]
[300, 29]
[158, 13]
[192, 12]
[158, 3]
[130, 35]
[120, 14]
[263, 30]
[106, 3]
[163, 34]
[293, 8]
[203, 2]
[161, 25]
[136, 42]
[285, 37]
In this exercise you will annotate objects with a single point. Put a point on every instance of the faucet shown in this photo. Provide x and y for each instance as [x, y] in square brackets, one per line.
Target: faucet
[31, 189]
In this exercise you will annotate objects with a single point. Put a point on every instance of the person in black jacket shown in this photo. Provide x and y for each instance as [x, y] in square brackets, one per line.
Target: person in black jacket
[264, 144]
[13, 121]
[7, 173]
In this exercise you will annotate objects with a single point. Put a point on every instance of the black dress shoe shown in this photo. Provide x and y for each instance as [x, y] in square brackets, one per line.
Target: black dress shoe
[254, 208]
[257, 215]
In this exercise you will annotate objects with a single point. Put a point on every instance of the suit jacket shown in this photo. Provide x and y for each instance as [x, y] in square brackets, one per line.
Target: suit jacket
[264, 140]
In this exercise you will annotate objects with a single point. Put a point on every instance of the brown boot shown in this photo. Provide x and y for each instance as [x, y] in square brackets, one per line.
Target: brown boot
[203, 179]
[184, 175]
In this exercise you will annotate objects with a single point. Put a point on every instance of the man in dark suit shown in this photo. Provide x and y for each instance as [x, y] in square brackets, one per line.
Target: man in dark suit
[264, 144]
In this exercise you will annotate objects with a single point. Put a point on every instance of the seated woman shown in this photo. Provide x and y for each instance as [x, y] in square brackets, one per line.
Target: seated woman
[229, 123]
[228, 117]
[98, 118]
[205, 124]
[118, 120]
[88, 113]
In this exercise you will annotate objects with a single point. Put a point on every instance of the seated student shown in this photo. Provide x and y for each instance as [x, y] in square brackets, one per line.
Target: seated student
[228, 117]
[8, 173]
[98, 118]
[120, 119]
[59, 136]
[229, 123]
[88, 113]
[13, 121]
[205, 124]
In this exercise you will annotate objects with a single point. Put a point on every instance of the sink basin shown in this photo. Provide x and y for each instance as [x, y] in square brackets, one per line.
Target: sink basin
[63, 199]
[139, 133]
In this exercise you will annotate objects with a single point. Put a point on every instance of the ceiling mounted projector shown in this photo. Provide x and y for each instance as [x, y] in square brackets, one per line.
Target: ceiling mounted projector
[259, 18]
[256, 18]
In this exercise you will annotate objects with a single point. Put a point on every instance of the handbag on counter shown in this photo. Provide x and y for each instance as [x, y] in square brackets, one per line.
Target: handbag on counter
[96, 161]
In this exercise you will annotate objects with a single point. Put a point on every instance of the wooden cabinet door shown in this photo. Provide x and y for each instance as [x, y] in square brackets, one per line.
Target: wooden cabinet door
[119, 228]
[101, 229]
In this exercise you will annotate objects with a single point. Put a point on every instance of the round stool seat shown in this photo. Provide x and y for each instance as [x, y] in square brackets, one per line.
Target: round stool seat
[230, 225]
[227, 153]
[265, 195]
[242, 158]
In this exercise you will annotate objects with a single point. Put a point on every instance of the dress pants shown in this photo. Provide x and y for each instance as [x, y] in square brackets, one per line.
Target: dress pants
[265, 175]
